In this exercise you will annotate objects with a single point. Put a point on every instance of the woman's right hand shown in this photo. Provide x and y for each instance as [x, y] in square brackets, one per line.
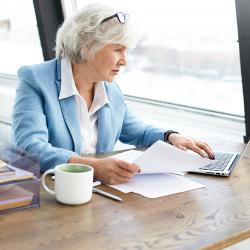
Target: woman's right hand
[114, 171]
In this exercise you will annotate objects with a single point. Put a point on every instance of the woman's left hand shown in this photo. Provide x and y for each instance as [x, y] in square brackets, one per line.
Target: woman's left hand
[185, 143]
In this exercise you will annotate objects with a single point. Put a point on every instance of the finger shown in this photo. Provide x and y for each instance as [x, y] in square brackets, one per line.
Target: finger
[207, 149]
[114, 178]
[128, 166]
[197, 150]
[181, 147]
[119, 180]
[123, 172]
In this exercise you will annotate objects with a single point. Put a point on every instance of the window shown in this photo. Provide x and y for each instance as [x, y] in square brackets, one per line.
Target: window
[188, 53]
[19, 39]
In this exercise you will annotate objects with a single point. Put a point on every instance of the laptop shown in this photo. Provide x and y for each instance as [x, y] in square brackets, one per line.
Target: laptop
[223, 165]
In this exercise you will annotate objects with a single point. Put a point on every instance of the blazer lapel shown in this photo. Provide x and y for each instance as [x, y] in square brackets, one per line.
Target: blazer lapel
[104, 128]
[69, 113]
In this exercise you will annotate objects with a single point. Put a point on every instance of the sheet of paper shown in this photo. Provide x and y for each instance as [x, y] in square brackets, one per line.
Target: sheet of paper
[164, 158]
[157, 185]
[129, 156]
[132, 155]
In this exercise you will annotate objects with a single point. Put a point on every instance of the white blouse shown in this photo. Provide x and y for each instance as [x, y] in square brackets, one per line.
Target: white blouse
[87, 119]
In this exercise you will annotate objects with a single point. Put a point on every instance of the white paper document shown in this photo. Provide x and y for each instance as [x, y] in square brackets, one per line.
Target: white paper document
[156, 164]
[129, 156]
[164, 158]
[157, 185]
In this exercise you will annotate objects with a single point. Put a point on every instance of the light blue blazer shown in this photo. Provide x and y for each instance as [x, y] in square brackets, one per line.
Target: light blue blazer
[49, 127]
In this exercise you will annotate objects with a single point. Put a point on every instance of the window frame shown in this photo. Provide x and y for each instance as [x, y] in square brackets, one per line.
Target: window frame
[243, 20]
[49, 15]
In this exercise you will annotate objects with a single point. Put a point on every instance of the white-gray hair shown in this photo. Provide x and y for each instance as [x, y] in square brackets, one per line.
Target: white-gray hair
[83, 34]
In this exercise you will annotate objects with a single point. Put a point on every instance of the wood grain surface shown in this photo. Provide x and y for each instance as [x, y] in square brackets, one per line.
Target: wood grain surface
[210, 218]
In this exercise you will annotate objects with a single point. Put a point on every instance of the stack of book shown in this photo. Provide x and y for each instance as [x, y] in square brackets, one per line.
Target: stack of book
[14, 191]
[11, 173]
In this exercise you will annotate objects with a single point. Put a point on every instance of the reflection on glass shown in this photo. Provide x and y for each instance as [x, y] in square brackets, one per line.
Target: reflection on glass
[19, 40]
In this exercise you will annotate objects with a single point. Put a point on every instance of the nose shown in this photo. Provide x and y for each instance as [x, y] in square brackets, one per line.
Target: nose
[123, 60]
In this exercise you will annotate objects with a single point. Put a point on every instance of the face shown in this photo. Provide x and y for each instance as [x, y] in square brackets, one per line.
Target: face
[107, 62]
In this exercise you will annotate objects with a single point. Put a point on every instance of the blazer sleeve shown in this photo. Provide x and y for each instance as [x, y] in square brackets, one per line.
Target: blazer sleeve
[136, 132]
[30, 131]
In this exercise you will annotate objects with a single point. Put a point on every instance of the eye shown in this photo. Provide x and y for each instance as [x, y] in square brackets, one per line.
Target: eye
[119, 50]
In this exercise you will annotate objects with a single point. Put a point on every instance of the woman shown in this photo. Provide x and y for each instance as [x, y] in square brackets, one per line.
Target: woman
[71, 106]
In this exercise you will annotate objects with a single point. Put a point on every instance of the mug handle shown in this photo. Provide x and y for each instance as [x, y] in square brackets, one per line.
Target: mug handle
[50, 171]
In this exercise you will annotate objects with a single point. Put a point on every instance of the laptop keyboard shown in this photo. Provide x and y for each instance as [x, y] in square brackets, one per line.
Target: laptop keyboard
[221, 161]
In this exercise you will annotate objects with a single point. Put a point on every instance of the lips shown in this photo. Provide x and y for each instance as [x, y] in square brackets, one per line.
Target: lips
[116, 71]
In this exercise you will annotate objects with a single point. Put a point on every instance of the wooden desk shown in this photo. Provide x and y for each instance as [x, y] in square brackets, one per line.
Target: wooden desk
[209, 218]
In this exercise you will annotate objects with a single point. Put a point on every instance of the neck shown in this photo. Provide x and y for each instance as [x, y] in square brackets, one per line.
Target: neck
[84, 81]
[83, 78]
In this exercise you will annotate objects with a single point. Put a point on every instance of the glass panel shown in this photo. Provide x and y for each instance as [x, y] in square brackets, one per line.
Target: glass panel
[19, 40]
[188, 53]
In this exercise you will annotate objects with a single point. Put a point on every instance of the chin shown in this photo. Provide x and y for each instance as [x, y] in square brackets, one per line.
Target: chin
[110, 79]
